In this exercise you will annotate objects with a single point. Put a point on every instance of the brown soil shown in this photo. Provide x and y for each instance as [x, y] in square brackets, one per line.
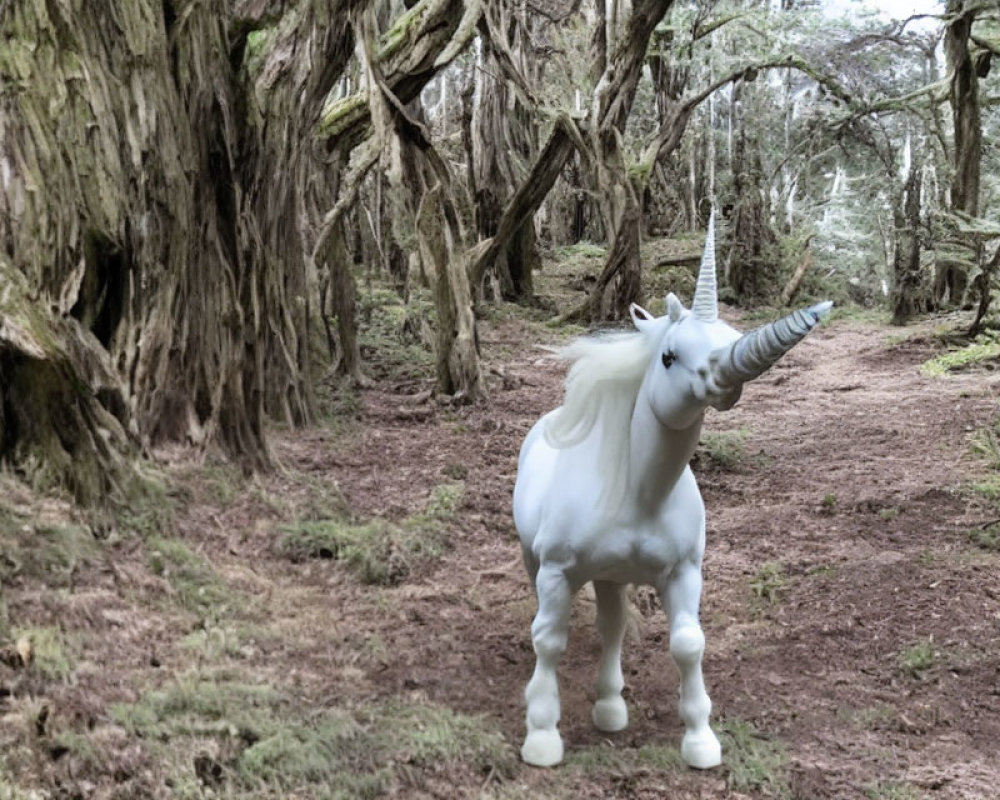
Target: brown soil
[837, 542]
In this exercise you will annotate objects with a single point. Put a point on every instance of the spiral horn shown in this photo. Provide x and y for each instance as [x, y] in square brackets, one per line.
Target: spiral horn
[754, 352]
[706, 304]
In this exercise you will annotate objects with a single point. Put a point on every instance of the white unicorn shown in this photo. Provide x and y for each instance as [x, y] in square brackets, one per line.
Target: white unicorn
[604, 493]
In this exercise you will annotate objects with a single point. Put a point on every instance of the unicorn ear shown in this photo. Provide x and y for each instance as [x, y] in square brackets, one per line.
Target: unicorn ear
[674, 307]
[641, 318]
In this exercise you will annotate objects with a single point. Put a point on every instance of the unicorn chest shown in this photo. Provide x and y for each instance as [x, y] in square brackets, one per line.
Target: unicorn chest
[633, 555]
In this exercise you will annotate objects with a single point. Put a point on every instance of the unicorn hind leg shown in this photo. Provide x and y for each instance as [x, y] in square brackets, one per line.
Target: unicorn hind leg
[543, 745]
[681, 596]
[610, 712]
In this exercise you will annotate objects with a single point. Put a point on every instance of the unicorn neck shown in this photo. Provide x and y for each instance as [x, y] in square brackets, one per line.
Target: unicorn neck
[658, 456]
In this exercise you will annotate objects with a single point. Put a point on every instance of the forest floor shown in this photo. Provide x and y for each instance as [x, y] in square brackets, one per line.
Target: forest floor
[356, 623]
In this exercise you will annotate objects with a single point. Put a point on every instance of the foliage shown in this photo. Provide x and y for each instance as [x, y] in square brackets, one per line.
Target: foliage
[917, 659]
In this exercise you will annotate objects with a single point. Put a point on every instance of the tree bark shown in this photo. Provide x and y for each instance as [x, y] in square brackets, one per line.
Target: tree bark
[458, 371]
[792, 286]
[619, 198]
[908, 283]
[952, 278]
[751, 257]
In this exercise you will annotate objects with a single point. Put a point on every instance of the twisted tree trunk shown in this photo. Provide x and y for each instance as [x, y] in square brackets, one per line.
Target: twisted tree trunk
[150, 214]
[620, 281]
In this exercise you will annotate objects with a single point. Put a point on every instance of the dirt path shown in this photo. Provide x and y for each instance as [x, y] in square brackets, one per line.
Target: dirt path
[853, 627]
[844, 511]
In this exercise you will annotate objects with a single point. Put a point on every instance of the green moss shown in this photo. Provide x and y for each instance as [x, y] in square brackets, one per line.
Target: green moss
[378, 551]
[197, 588]
[50, 652]
[582, 250]
[393, 40]
[196, 707]
[975, 354]
[146, 507]
[52, 552]
[399, 335]
[278, 749]
[340, 114]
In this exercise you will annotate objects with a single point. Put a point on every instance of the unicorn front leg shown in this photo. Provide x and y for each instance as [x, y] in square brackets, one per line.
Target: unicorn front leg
[681, 596]
[543, 745]
[610, 713]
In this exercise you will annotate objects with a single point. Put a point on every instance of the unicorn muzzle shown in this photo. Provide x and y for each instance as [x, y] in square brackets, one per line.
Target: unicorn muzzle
[755, 352]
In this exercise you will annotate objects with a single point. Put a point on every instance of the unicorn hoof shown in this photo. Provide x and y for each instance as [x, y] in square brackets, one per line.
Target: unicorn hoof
[610, 714]
[542, 748]
[701, 750]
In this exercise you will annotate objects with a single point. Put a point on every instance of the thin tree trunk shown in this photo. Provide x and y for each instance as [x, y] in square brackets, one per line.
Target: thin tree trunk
[792, 286]
[908, 285]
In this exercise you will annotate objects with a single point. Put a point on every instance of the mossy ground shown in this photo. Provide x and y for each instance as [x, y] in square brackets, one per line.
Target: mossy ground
[357, 623]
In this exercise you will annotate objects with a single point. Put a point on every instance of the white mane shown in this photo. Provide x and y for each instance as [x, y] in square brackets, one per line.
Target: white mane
[602, 384]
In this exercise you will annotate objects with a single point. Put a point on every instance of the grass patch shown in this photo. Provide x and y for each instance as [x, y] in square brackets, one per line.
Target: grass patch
[602, 759]
[49, 651]
[756, 762]
[870, 718]
[378, 551]
[197, 588]
[723, 449]
[340, 405]
[987, 538]
[581, 250]
[918, 658]
[893, 790]
[768, 582]
[148, 509]
[51, 552]
[396, 338]
[985, 443]
[269, 747]
[976, 354]
[988, 489]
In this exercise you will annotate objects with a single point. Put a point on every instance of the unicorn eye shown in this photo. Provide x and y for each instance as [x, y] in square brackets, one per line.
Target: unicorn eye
[668, 359]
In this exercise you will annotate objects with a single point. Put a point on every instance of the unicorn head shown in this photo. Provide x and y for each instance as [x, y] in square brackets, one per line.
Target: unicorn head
[704, 361]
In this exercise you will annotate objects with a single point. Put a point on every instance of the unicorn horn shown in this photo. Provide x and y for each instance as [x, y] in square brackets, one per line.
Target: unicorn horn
[754, 352]
[705, 304]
